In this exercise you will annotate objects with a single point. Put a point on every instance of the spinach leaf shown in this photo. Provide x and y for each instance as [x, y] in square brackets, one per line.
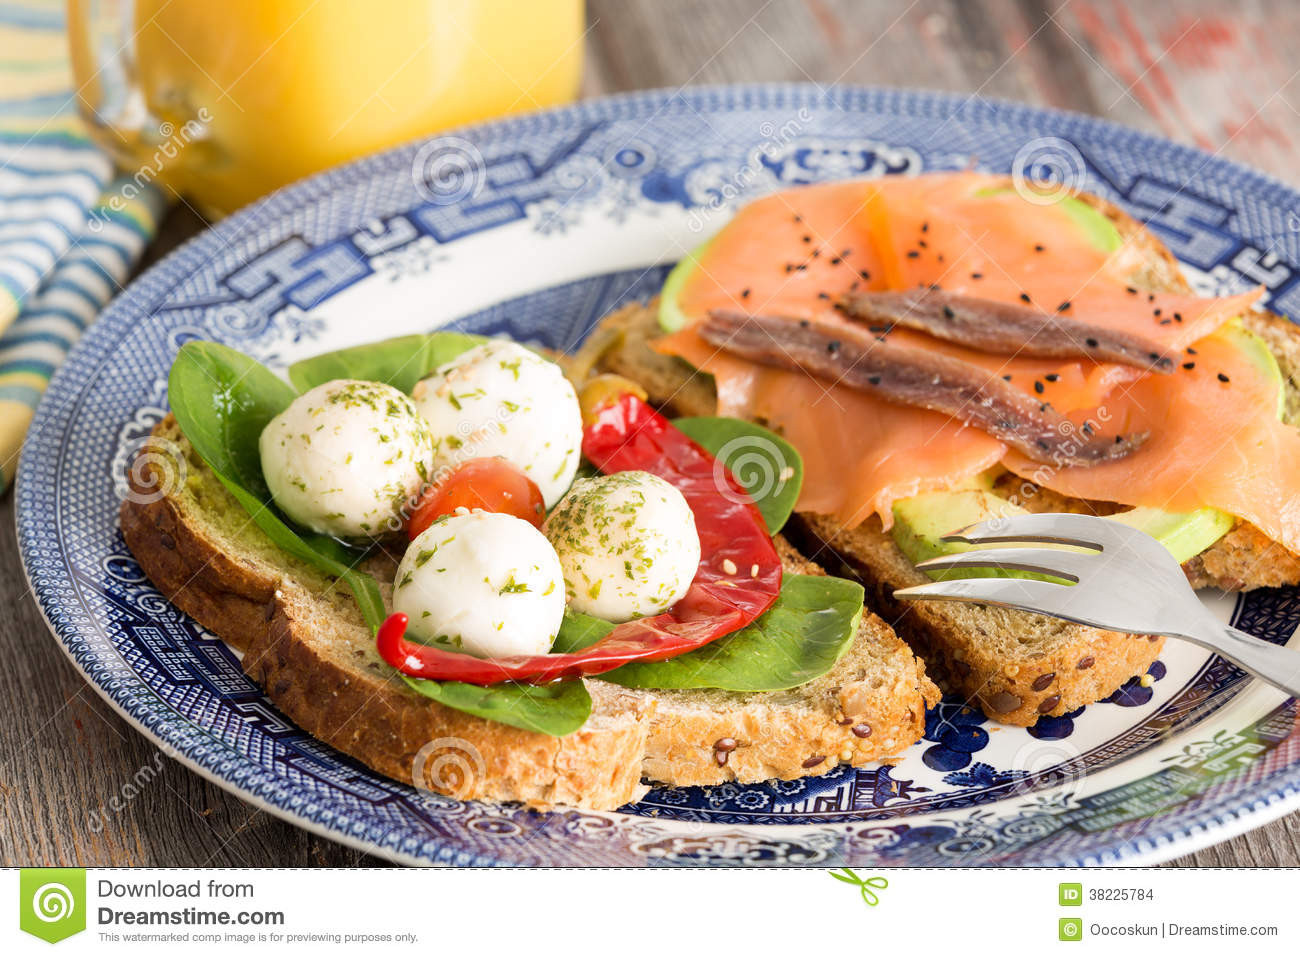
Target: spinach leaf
[764, 463]
[400, 362]
[556, 709]
[812, 624]
[222, 400]
[579, 631]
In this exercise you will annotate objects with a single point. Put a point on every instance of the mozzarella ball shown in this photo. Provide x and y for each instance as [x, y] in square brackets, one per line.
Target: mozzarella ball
[487, 583]
[345, 458]
[502, 399]
[627, 544]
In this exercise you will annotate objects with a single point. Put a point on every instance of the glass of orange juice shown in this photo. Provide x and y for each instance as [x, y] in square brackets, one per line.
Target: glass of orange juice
[225, 100]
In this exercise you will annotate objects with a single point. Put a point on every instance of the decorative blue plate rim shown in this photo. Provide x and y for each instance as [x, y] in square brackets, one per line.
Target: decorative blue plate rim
[67, 604]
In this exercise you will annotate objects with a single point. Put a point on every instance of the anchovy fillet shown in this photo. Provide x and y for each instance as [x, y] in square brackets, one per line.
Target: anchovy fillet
[917, 377]
[1002, 327]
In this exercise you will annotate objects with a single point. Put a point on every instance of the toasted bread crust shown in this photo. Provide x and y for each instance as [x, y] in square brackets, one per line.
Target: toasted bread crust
[304, 643]
[363, 709]
[1078, 666]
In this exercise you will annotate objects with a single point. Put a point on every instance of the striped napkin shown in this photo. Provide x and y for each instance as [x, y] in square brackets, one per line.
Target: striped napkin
[69, 236]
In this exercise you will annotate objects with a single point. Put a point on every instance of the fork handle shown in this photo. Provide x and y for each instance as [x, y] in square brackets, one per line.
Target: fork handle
[1278, 666]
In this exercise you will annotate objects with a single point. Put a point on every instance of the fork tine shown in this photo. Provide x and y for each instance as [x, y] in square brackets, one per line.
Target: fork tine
[1063, 528]
[1009, 592]
[1049, 561]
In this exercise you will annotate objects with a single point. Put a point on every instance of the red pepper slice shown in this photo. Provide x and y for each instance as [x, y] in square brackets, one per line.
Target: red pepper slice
[738, 579]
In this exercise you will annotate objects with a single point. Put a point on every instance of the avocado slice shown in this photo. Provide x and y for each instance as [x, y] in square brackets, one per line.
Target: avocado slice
[671, 317]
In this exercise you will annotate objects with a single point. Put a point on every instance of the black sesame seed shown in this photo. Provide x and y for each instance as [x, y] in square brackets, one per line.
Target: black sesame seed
[925, 226]
[833, 346]
[1064, 307]
[1222, 377]
[807, 238]
[913, 253]
[874, 379]
[864, 274]
[1006, 378]
[1051, 377]
[1086, 428]
[1130, 290]
[939, 258]
[1189, 366]
[948, 313]
[823, 295]
[1156, 311]
[977, 275]
[1151, 297]
[744, 293]
[922, 244]
[1024, 297]
[1119, 439]
[1191, 351]
[804, 323]
[835, 261]
[1039, 247]
[1091, 343]
[1178, 317]
[1165, 322]
[1042, 444]
[1038, 387]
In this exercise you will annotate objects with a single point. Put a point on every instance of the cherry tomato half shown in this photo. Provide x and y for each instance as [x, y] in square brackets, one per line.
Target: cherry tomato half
[492, 484]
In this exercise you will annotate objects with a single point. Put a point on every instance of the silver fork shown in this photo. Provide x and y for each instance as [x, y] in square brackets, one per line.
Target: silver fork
[1127, 582]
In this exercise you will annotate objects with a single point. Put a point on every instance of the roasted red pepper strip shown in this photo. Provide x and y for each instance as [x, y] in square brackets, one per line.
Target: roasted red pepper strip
[738, 579]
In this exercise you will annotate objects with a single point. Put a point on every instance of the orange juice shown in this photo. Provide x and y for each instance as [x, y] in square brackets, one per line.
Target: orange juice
[289, 87]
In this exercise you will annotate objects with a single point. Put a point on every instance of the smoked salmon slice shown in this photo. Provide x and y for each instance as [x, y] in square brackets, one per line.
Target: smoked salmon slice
[795, 254]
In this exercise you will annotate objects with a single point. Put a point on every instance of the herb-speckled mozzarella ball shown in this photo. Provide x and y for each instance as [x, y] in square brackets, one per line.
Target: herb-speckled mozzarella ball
[345, 458]
[484, 582]
[502, 399]
[627, 543]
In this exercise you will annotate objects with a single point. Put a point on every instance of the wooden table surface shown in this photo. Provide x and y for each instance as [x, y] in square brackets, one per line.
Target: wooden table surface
[1219, 75]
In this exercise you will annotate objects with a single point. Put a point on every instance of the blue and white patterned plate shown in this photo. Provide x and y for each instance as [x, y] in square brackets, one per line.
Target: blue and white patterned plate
[535, 227]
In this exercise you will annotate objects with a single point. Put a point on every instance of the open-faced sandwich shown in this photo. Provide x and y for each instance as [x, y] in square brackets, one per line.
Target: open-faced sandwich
[605, 569]
[433, 543]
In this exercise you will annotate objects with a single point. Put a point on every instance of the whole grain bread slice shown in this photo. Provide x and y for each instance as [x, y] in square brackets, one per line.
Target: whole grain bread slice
[305, 644]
